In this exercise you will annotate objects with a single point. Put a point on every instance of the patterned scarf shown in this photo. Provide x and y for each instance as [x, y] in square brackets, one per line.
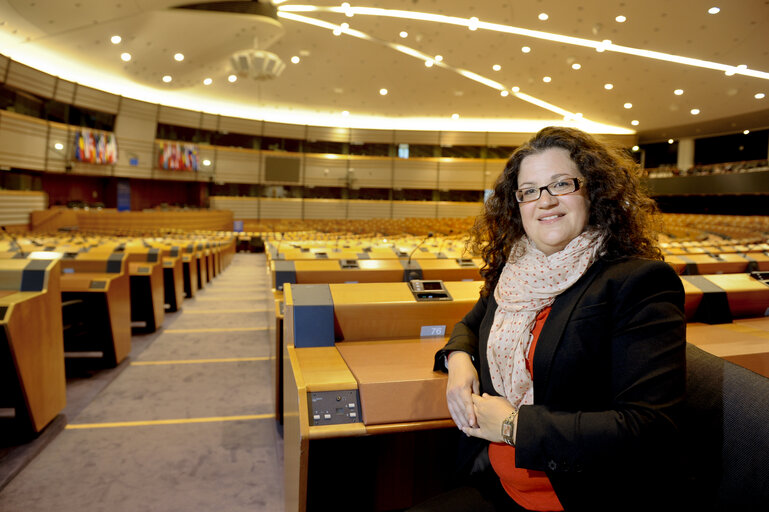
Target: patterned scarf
[526, 286]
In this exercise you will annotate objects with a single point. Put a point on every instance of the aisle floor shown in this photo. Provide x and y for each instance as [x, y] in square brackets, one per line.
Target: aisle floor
[187, 425]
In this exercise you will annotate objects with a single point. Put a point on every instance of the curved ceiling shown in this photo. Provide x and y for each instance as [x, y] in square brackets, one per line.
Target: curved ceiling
[483, 81]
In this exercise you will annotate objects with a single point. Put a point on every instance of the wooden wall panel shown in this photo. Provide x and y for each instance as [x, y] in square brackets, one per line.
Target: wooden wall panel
[422, 209]
[178, 117]
[58, 160]
[289, 131]
[235, 125]
[30, 80]
[65, 91]
[360, 136]
[463, 138]
[233, 165]
[371, 172]
[325, 209]
[461, 174]
[417, 137]
[130, 150]
[280, 208]
[451, 209]
[23, 141]
[96, 99]
[242, 208]
[328, 133]
[325, 170]
[16, 206]
[415, 173]
[359, 209]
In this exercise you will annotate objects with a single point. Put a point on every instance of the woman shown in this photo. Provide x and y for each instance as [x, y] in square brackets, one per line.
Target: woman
[571, 367]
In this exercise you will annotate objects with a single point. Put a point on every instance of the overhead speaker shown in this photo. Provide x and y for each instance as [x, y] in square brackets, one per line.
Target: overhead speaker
[257, 64]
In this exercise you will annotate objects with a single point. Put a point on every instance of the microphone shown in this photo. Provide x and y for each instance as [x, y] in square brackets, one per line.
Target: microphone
[13, 239]
[429, 235]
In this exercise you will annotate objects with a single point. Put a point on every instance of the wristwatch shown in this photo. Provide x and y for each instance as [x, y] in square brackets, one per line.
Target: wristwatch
[508, 428]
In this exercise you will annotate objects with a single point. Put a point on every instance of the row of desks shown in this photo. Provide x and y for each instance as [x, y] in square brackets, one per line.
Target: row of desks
[89, 295]
[359, 391]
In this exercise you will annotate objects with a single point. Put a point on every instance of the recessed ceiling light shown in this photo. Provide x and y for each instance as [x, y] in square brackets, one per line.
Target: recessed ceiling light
[546, 79]
[59, 146]
[438, 58]
[678, 92]
[208, 81]
[404, 34]
[167, 78]
[543, 16]
[295, 59]
[576, 66]
[455, 116]
[125, 56]
[635, 148]
[473, 23]
[429, 63]
[759, 96]
[345, 25]
[694, 111]
[628, 105]
[178, 57]
[634, 122]
[714, 10]
[515, 89]
[496, 67]
[745, 132]
[232, 78]
[504, 93]
[603, 46]
[115, 39]
[337, 31]
[608, 87]
[670, 141]
[620, 19]
[383, 92]
[345, 113]
[525, 49]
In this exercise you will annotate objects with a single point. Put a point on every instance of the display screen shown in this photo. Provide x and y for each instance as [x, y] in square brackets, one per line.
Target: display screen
[432, 285]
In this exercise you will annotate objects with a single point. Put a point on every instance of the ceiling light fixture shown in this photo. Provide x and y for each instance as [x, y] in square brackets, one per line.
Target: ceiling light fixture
[620, 19]
[714, 10]
[628, 105]
[504, 94]
[58, 146]
[496, 67]
[208, 81]
[167, 78]
[115, 39]
[473, 25]
[515, 89]
[635, 148]
[345, 113]
[576, 66]
[232, 78]
[759, 96]
[295, 59]
[608, 87]
[206, 162]
[178, 57]
[285, 11]
[455, 116]
[438, 58]
[337, 31]
[634, 122]
[546, 79]
[745, 132]
[543, 16]
[383, 92]
[678, 92]
[404, 34]
[670, 141]
[694, 111]
[525, 49]
[125, 56]
[429, 63]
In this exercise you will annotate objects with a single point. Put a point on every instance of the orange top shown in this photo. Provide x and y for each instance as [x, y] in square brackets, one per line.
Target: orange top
[530, 489]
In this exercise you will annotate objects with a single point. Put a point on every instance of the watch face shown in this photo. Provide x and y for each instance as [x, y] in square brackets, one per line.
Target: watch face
[507, 430]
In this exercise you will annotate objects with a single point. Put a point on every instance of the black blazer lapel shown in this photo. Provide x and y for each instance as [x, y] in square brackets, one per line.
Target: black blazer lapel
[552, 331]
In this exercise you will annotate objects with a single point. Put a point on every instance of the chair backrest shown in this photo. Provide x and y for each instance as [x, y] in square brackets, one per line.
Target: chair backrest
[727, 433]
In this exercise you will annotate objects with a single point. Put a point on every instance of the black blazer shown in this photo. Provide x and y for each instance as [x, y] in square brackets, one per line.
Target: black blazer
[609, 378]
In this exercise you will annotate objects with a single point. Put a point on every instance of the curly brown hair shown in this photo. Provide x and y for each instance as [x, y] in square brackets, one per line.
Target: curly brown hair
[619, 208]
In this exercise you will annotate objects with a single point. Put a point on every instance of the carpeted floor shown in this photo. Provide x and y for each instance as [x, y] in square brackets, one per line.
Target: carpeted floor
[186, 424]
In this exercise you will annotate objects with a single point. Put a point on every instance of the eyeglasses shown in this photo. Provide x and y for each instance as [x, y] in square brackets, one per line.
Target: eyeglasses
[556, 188]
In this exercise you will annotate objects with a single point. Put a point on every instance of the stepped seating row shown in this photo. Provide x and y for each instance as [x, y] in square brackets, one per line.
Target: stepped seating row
[90, 294]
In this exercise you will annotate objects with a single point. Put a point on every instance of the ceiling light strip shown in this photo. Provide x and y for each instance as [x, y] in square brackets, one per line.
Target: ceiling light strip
[537, 34]
[419, 55]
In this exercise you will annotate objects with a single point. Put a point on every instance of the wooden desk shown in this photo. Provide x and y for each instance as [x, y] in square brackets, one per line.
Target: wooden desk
[32, 381]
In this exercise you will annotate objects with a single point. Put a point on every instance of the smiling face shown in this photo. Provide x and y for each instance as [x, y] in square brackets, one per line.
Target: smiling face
[551, 222]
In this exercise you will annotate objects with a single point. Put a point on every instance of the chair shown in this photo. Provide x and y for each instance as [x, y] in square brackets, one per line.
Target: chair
[726, 429]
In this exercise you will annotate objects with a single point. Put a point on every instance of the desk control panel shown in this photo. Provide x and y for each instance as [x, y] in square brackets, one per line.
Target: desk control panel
[334, 407]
